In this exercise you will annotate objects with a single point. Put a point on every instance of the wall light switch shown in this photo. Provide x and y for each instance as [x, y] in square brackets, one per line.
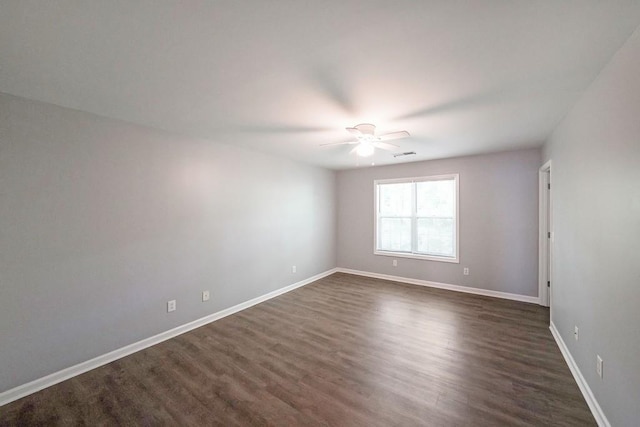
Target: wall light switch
[576, 332]
[599, 365]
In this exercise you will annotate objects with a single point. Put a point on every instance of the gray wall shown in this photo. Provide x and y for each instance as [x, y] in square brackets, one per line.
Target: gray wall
[596, 195]
[102, 222]
[498, 221]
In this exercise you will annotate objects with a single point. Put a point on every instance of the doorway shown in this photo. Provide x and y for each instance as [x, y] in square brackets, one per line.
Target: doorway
[545, 246]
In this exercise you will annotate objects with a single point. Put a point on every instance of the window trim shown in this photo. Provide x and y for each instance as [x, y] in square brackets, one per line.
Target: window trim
[376, 251]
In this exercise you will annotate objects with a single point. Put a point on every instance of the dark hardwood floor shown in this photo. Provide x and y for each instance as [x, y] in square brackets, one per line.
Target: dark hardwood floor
[345, 350]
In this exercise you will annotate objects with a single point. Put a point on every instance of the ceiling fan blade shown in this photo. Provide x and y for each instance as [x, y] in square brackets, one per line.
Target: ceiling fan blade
[339, 143]
[354, 131]
[394, 135]
[386, 146]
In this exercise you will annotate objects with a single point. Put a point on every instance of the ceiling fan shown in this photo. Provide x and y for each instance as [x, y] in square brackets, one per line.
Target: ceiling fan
[367, 140]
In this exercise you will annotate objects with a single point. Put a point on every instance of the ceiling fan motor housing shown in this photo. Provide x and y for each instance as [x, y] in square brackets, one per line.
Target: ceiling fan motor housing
[366, 128]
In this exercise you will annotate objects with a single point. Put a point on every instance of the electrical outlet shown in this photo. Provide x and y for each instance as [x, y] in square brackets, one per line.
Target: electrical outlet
[171, 306]
[395, 262]
[465, 271]
[575, 333]
[599, 365]
[294, 269]
[205, 295]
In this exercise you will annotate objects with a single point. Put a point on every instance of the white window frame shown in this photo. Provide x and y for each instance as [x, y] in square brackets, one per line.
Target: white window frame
[415, 255]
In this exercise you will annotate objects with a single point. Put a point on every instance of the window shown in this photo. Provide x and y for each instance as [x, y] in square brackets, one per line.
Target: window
[418, 217]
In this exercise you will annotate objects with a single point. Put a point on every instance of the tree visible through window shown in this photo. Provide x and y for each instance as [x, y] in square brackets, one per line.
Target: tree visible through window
[417, 217]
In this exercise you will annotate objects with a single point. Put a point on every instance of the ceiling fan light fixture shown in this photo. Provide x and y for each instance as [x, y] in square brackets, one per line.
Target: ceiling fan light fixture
[367, 140]
[365, 149]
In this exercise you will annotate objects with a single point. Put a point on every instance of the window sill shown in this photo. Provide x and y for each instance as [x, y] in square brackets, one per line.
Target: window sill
[417, 256]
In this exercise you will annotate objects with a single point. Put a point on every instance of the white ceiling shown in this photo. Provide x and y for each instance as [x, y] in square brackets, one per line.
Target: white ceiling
[285, 76]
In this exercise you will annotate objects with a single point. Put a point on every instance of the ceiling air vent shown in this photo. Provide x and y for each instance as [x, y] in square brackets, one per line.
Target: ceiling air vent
[406, 153]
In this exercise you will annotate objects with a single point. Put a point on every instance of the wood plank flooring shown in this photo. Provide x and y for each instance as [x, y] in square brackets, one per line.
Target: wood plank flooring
[345, 350]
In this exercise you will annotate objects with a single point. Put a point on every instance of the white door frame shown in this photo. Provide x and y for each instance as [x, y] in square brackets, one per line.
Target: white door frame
[545, 242]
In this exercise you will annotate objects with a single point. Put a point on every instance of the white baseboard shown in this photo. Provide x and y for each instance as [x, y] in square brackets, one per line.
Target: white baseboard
[49, 380]
[596, 410]
[456, 288]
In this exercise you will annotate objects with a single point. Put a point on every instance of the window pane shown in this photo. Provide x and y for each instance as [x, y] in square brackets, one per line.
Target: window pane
[436, 198]
[395, 199]
[436, 236]
[395, 234]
